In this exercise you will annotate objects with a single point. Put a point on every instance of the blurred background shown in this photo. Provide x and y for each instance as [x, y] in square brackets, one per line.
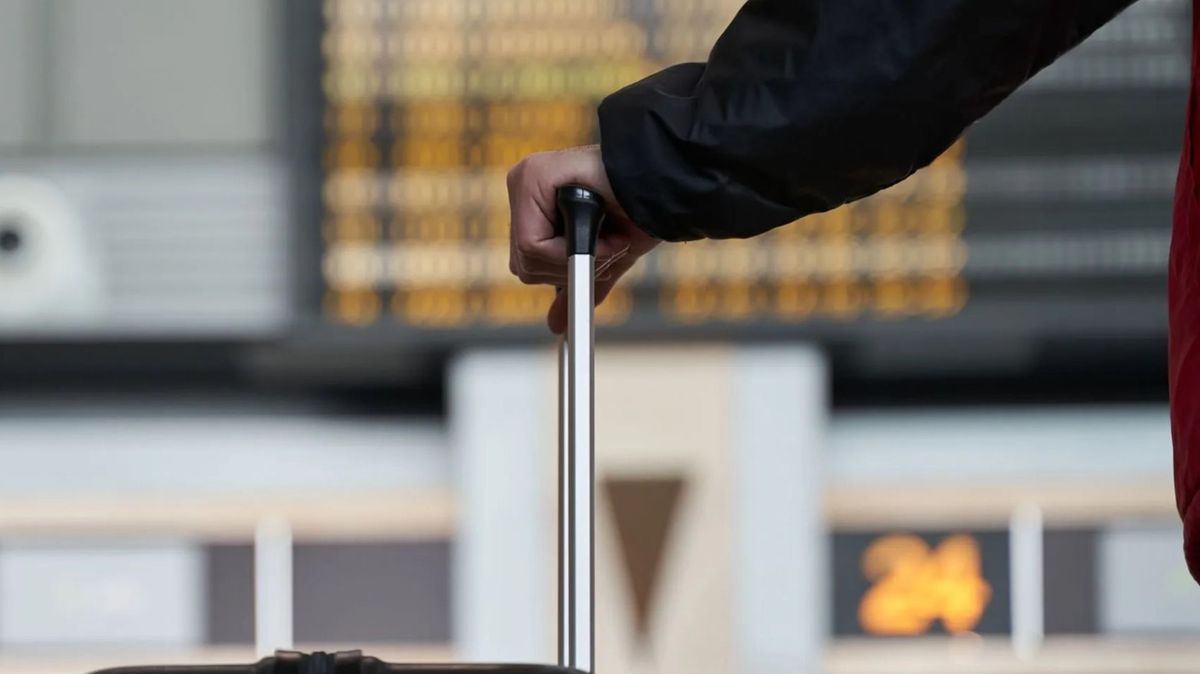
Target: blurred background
[260, 356]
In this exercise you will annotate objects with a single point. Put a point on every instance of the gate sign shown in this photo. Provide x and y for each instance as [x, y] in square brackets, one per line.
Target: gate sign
[899, 584]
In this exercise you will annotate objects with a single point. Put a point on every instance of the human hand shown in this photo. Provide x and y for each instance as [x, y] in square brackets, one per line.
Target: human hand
[537, 255]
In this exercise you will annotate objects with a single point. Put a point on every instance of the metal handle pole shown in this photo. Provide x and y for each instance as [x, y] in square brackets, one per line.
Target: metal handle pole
[564, 513]
[582, 212]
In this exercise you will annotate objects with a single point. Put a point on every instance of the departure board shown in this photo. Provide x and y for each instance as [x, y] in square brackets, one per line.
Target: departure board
[1052, 215]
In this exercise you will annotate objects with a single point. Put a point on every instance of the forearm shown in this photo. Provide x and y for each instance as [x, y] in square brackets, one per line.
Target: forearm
[805, 105]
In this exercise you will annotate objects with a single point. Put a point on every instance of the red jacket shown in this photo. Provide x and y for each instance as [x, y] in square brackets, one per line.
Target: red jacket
[1183, 304]
[804, 105]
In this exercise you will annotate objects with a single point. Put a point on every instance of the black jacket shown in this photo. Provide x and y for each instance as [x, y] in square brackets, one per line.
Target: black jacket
[805, 105]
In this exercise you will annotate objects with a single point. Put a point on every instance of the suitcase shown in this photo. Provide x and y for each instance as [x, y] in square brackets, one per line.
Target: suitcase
[581, 213]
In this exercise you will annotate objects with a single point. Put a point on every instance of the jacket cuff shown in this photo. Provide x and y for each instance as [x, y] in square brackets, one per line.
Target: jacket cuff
[639, 161]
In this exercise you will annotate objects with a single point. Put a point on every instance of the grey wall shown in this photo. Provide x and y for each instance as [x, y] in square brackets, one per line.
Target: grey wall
[16, 72]
[154, 72]
[129, 74]
[156, 123]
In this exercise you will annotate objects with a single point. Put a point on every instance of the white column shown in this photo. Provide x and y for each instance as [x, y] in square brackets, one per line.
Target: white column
[781, 413]
[1026, 567]
[501, 416]
[272, 586]
[502, 430]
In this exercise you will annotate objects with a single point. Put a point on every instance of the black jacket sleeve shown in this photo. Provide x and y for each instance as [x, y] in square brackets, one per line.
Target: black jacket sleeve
[805, 105]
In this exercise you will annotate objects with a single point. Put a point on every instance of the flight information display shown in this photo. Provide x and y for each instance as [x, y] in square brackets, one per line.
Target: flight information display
[1050, 215]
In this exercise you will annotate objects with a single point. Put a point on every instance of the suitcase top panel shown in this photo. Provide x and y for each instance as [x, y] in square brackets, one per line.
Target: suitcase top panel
[366, 666]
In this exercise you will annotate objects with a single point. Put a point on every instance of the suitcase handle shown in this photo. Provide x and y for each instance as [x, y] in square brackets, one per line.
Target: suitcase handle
[581, 214]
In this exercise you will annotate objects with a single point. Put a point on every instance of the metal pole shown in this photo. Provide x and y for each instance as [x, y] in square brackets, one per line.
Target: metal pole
[581, 214]
[576, 516]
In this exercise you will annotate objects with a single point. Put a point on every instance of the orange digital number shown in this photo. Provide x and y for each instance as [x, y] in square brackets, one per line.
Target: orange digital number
[353, 307]
[892, 298]
[795, 301]
[356, 154]
[352, 119]
[517, 305]
[912, 586]
[432, 307]
[429, 153]
[690, 303]
[352, 227]
[842, 299]
[943, 297]
[695, 303]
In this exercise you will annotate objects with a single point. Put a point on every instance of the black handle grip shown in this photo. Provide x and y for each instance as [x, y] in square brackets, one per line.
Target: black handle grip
[580, 215]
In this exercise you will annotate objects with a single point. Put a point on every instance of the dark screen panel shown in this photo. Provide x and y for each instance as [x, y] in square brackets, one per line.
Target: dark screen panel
[373, 592]
[1071, 584]
[382, 592]
[1050, 220]
[230, 592]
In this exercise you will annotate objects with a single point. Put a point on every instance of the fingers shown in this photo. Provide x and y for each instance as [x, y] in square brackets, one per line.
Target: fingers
[603, 265]
[556, 318]
[613, 243]
[540, 268]
[546, 264]
[607, 281]
[536, 255]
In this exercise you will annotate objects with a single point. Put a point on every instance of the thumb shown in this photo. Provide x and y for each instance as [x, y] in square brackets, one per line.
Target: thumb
[557, 317]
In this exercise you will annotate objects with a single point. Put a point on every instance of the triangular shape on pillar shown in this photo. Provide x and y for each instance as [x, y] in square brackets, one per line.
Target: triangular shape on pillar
[644, 512]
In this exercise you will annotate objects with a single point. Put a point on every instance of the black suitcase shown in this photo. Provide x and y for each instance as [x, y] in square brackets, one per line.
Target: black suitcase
[581, 212]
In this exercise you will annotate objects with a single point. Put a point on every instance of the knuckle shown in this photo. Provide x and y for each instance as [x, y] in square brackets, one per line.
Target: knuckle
[516, 172]
[526, 247]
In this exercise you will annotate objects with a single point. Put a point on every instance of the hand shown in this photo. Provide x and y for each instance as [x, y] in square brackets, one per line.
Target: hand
[536, 255]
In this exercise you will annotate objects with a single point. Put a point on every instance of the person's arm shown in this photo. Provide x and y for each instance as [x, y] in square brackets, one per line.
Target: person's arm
[802, 106]
[805, 105]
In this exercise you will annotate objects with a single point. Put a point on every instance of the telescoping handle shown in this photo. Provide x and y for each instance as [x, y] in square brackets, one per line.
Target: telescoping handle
[581, 213]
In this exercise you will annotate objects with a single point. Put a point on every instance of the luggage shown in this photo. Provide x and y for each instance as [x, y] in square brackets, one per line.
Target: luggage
[581, 212]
